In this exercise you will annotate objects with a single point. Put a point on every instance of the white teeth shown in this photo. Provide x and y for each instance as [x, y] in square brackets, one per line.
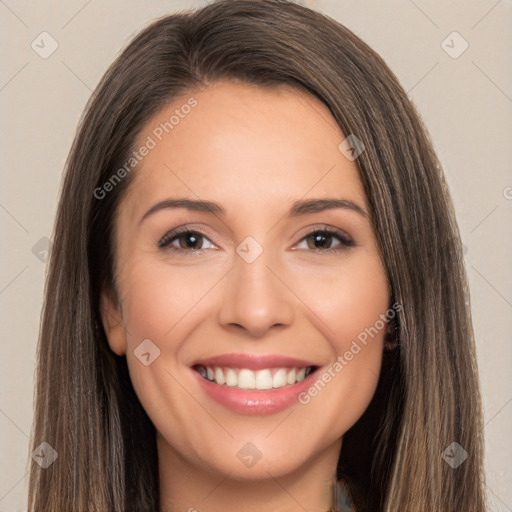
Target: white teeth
[219, 376]
[231, 378]
[279, 378]
[264, 379]
[259, 379]
[246, 379]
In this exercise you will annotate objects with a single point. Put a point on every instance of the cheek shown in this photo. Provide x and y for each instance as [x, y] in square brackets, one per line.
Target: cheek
[161, 304]
[348, 305]
[349, 302]
[343, 389]
[158, 297]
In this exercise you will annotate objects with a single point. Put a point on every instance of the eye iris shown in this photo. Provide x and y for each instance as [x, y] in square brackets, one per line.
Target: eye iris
[190, 237]
[320, 237]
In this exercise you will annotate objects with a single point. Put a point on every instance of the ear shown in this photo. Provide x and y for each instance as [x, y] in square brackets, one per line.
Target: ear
[112, 319]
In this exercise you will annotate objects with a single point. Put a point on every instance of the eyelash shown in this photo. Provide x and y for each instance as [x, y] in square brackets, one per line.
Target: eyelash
[165, 241]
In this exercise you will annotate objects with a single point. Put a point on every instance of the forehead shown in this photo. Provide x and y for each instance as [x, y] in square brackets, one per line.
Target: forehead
[245, 147]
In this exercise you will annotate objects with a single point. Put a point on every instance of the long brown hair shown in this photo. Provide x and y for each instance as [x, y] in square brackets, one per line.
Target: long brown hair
[428, 393]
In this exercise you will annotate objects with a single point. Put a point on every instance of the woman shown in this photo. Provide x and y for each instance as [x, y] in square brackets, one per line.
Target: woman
[201, 349]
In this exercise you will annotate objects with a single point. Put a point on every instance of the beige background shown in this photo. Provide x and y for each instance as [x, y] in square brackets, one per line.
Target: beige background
[466, 103]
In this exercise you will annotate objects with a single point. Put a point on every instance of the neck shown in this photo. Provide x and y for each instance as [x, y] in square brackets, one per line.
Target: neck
[186, 487]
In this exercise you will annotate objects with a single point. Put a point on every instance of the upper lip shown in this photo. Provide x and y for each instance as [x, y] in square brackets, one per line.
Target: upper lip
[253, 361]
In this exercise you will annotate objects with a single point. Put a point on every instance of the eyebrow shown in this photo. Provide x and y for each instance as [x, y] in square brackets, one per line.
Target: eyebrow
[301, 207]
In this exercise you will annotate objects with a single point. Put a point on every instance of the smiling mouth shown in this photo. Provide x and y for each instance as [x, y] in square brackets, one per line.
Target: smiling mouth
[264, 379]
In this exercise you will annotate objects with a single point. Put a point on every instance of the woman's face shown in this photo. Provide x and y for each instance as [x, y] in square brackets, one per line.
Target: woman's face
[247, 292]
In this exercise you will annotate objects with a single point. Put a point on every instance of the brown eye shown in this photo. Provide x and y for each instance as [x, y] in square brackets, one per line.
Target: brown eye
[320, 240]
[323, 239]
[188, 240]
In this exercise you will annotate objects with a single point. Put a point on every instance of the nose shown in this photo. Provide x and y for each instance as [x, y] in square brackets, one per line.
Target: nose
[256, 297]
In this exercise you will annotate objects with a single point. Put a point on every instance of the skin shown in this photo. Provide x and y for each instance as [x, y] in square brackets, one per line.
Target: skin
[254, 151]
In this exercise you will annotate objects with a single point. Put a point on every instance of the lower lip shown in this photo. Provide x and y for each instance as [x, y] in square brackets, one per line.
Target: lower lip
[254, 402]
